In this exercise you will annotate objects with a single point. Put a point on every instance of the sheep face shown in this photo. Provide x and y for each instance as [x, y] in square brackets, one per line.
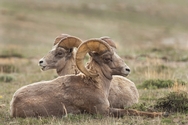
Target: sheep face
[111, 64]
[61, 55]
[55, 58]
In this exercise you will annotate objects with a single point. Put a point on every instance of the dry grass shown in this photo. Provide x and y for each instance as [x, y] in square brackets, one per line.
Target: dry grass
[178, 87]
[150, 35]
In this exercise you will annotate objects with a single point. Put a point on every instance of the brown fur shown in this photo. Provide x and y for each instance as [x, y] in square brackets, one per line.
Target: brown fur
[67, 94]
[73, 93]
[123, 92]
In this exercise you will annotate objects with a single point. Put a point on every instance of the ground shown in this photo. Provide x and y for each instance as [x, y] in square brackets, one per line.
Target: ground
[151, 36]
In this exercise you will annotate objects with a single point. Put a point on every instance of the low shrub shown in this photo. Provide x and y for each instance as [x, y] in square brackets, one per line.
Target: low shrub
[140, 106]
[173, 102]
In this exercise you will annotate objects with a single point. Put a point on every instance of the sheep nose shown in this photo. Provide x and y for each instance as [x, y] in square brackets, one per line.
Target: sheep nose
[41, 61]
[127, 69]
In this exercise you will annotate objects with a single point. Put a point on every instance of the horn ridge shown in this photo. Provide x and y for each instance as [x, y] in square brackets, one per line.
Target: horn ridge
[58, 38]
[93, 44]
[109, 41]
[70, 42]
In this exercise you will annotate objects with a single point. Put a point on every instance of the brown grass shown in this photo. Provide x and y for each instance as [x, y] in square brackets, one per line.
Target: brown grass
[150, 35]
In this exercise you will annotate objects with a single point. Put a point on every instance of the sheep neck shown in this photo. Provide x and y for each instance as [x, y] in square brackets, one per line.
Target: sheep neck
[68, 68]
[102, 81]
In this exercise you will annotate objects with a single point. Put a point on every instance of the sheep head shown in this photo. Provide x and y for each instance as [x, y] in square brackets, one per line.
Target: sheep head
[102, 54]
[60, 53]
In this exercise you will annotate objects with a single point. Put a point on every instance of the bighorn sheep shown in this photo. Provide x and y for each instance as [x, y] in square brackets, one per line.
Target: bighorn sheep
[62, 55]
[123, 92]
[87, 92]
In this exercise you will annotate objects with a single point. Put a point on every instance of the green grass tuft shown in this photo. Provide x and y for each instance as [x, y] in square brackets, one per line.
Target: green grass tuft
[140, 106]
[159, 83]
[6, 78]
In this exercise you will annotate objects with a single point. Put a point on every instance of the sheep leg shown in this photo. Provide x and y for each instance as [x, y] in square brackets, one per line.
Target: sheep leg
[122, 112]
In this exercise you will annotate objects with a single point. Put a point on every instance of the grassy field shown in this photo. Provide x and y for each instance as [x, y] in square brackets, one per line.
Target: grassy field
[151, 35]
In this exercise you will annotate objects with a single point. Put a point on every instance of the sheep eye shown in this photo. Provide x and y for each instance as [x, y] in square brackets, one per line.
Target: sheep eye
[59, 54]
[107, 59]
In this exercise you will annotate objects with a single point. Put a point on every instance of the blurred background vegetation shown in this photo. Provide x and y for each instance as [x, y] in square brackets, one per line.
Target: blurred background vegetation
[30, 26]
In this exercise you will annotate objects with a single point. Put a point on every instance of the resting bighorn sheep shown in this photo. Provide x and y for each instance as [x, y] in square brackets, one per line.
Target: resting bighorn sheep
[62, 55]
[79, 93]
[123, 92]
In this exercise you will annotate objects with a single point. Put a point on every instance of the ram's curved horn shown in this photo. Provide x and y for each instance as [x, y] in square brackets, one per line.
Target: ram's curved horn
[69, 42]
[109, 41]
[90, 45]
[58, 38]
